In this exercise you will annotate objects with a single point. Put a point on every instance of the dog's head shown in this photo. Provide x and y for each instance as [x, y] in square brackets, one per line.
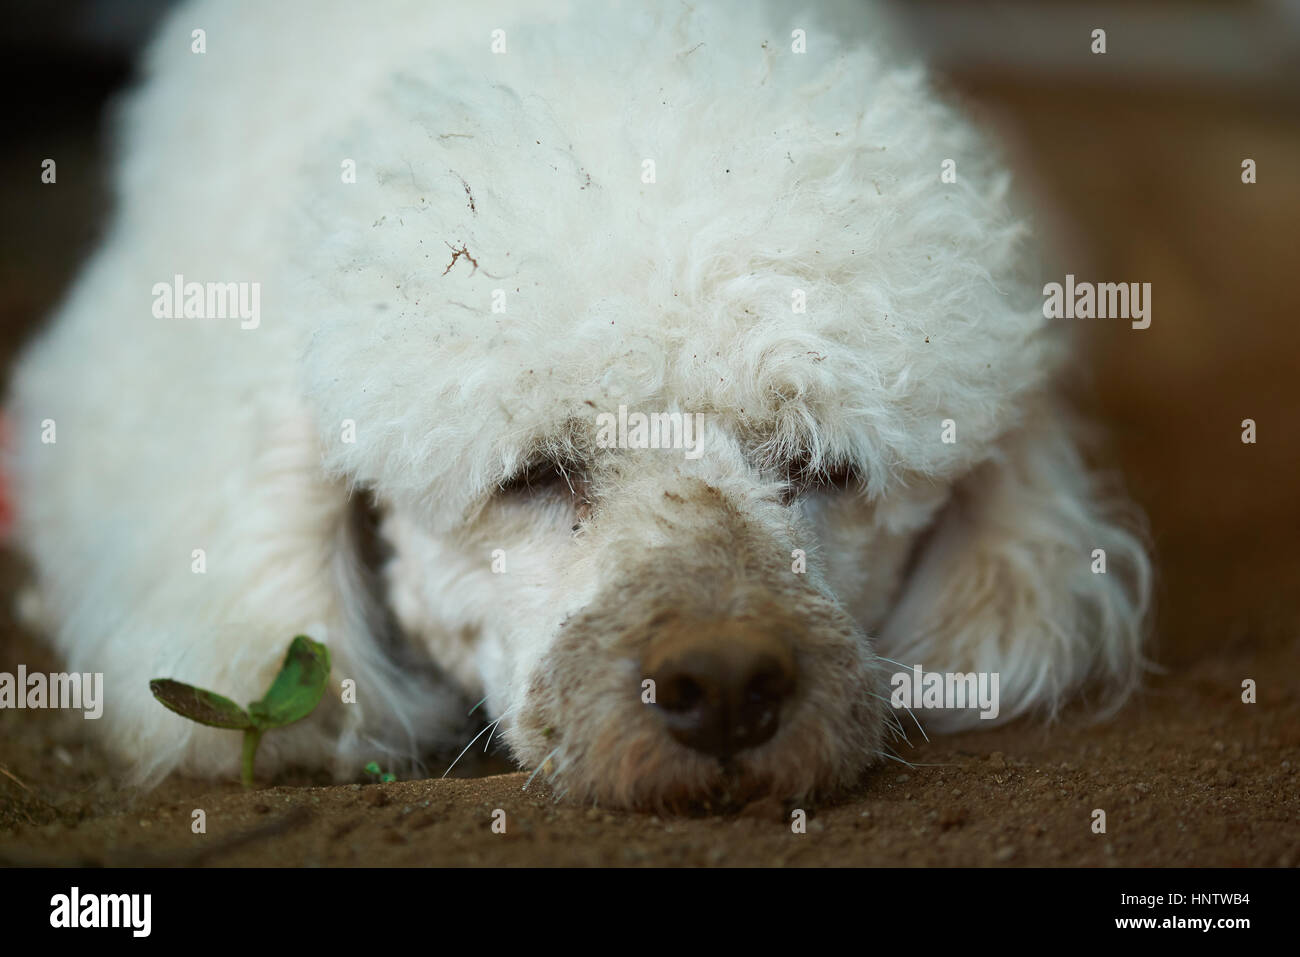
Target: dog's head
[832, 346]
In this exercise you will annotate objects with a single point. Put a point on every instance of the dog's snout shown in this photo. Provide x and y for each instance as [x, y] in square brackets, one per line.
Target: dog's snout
[720, 690]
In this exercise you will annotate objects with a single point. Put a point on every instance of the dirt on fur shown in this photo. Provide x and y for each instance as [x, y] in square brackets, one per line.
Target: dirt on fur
[1187, 774]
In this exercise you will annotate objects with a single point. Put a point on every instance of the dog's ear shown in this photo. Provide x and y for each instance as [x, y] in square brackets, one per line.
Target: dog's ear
[1030, 572]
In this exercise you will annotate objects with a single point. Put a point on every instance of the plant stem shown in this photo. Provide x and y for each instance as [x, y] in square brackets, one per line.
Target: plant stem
[252, 738]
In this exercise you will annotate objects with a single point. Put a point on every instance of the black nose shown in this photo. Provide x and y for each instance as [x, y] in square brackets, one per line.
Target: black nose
[721, 694]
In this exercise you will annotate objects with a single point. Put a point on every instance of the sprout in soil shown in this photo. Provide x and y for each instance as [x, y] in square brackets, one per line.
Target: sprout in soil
[293, 695]
[374, 771]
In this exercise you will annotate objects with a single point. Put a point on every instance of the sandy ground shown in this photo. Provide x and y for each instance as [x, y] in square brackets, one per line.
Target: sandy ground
[1187, 776]
[1148, 185]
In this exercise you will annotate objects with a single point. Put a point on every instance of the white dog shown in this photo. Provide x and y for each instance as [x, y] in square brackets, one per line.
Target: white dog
[457, 242]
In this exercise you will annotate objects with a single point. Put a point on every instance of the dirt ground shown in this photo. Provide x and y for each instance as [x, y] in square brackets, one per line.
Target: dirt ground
[1147, 184]
[1186, 777]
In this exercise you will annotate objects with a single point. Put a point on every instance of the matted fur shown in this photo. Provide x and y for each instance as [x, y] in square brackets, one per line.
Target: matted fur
[519, 175]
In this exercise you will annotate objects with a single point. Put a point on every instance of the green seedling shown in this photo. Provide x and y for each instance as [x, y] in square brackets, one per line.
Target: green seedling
[374, 771]
[293, 695]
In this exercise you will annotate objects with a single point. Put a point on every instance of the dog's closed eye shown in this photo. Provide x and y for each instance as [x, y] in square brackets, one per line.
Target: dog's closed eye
[550, 479]
[539, 475]
[801, 479]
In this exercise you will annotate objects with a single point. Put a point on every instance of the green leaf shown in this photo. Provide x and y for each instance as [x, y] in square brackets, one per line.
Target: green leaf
[297, 689]
[199, 705]
[373, 768]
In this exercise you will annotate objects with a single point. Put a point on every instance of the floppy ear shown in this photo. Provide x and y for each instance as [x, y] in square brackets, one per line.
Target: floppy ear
[1010, 580]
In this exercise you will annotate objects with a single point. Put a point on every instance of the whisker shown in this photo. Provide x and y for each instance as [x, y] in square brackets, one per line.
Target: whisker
[905, 707]
[908, 710]
[471, 744]
[910, 764]
[892, 716]
[493, 726]
[541, 764]
[894, 757]
[918, 724]
[893, 662]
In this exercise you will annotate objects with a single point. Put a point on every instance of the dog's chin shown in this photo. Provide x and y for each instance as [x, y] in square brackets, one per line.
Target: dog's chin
[633, 763]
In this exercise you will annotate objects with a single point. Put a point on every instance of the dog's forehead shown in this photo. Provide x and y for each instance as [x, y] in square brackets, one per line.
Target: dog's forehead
[790, 265]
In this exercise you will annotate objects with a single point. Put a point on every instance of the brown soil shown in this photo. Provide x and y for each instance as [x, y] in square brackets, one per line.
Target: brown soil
[1148, 183]
[1188, 776]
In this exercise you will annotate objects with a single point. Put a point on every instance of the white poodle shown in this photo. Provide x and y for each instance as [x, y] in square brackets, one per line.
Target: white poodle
[474, 252]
